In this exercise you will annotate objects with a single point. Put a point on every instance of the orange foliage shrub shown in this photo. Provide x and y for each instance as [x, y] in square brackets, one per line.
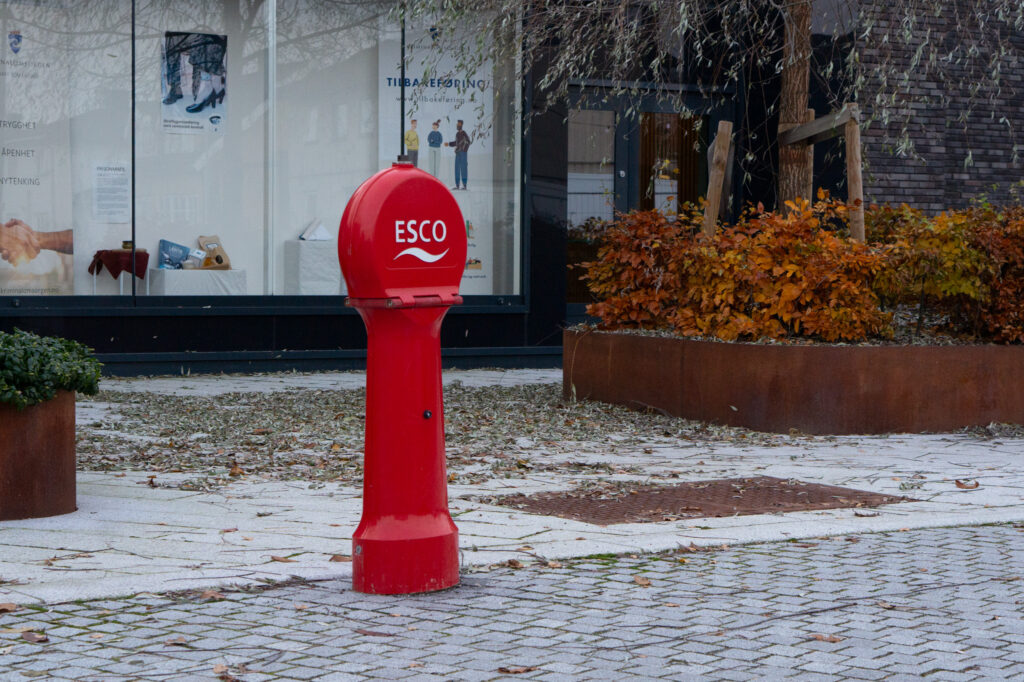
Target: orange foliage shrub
[774, 276]
[767, 276]
[636, 275]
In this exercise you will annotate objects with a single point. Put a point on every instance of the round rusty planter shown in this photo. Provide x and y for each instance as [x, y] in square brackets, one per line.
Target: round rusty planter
[37, 459]
[814, 389]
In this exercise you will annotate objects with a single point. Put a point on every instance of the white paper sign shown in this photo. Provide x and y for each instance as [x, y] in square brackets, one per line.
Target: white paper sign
[111, 193]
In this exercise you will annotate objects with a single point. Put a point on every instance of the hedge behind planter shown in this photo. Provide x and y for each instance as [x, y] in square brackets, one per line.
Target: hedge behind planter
[814, 389]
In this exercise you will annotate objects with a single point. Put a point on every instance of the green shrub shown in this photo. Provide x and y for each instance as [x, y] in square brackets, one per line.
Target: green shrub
[930, 262]
[999, 235]
[33, 368]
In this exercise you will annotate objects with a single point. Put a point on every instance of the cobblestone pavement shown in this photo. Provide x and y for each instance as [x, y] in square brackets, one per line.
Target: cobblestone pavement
[939, 604]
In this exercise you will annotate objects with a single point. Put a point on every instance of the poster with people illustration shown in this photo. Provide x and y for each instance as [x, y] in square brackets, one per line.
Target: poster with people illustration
[193, 84]
[446, 132]
[36, 238]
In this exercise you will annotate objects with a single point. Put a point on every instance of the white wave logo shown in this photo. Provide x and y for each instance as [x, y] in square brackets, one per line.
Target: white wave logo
[424, 256]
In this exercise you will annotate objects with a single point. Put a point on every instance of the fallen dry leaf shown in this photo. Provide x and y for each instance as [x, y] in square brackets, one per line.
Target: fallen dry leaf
[220, 668]
[554, 564]
[415, 664]
[832, 639]
[210, 594]
[34, 637]
[668, 603]
[229, 530]
[966, 485]
[514, 563]
[8, 607]
[301, 607]
[177, 641]
[374, 633]
[339, 558]
[517, 669]
[236, 471]
[642, 581]
[282, 559]
[885, 604]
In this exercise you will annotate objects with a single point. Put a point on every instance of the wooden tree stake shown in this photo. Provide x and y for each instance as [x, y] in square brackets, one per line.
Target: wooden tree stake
[854, 180]
[717, 176]
[808, 192]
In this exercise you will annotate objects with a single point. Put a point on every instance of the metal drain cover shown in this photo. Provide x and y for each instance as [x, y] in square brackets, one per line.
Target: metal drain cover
[698, 499]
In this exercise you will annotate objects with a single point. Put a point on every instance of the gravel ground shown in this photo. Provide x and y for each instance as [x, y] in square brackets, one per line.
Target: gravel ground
[317, 435]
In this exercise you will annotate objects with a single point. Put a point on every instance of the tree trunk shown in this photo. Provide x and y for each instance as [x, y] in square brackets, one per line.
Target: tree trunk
[794, 171]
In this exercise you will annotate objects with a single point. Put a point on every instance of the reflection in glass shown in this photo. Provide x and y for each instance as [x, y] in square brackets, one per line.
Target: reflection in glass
[591, 191]
[671, 163]
[591, 165]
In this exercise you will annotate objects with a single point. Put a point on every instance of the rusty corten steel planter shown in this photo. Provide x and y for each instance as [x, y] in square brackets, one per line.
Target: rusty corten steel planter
[814, 389]
[37, 459]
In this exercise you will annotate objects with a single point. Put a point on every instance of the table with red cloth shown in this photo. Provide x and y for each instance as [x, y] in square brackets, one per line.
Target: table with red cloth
[118, 261]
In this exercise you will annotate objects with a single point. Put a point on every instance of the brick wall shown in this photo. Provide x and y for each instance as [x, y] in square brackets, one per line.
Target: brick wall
[932, 175]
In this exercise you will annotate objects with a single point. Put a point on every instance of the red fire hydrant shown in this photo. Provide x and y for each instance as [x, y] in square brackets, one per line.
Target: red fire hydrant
[402, 248]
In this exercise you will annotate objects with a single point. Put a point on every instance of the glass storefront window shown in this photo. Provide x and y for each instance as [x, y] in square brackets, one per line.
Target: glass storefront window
[65, 153]
[254, 123]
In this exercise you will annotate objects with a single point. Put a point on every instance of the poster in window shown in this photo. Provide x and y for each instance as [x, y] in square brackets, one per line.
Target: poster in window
[445, 132]
[36, 232]
[193, 83]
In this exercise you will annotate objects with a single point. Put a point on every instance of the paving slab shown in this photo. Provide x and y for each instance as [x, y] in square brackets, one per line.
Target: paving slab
[721, 615]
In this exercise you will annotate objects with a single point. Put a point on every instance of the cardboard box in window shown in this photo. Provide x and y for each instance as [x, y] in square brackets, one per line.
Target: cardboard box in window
[311, 268]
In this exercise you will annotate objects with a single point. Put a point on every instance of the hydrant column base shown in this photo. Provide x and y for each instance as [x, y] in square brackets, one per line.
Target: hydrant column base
[405, 566]
[406, 541]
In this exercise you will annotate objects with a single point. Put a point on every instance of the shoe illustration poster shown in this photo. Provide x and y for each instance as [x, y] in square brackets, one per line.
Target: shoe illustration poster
[193, 84]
